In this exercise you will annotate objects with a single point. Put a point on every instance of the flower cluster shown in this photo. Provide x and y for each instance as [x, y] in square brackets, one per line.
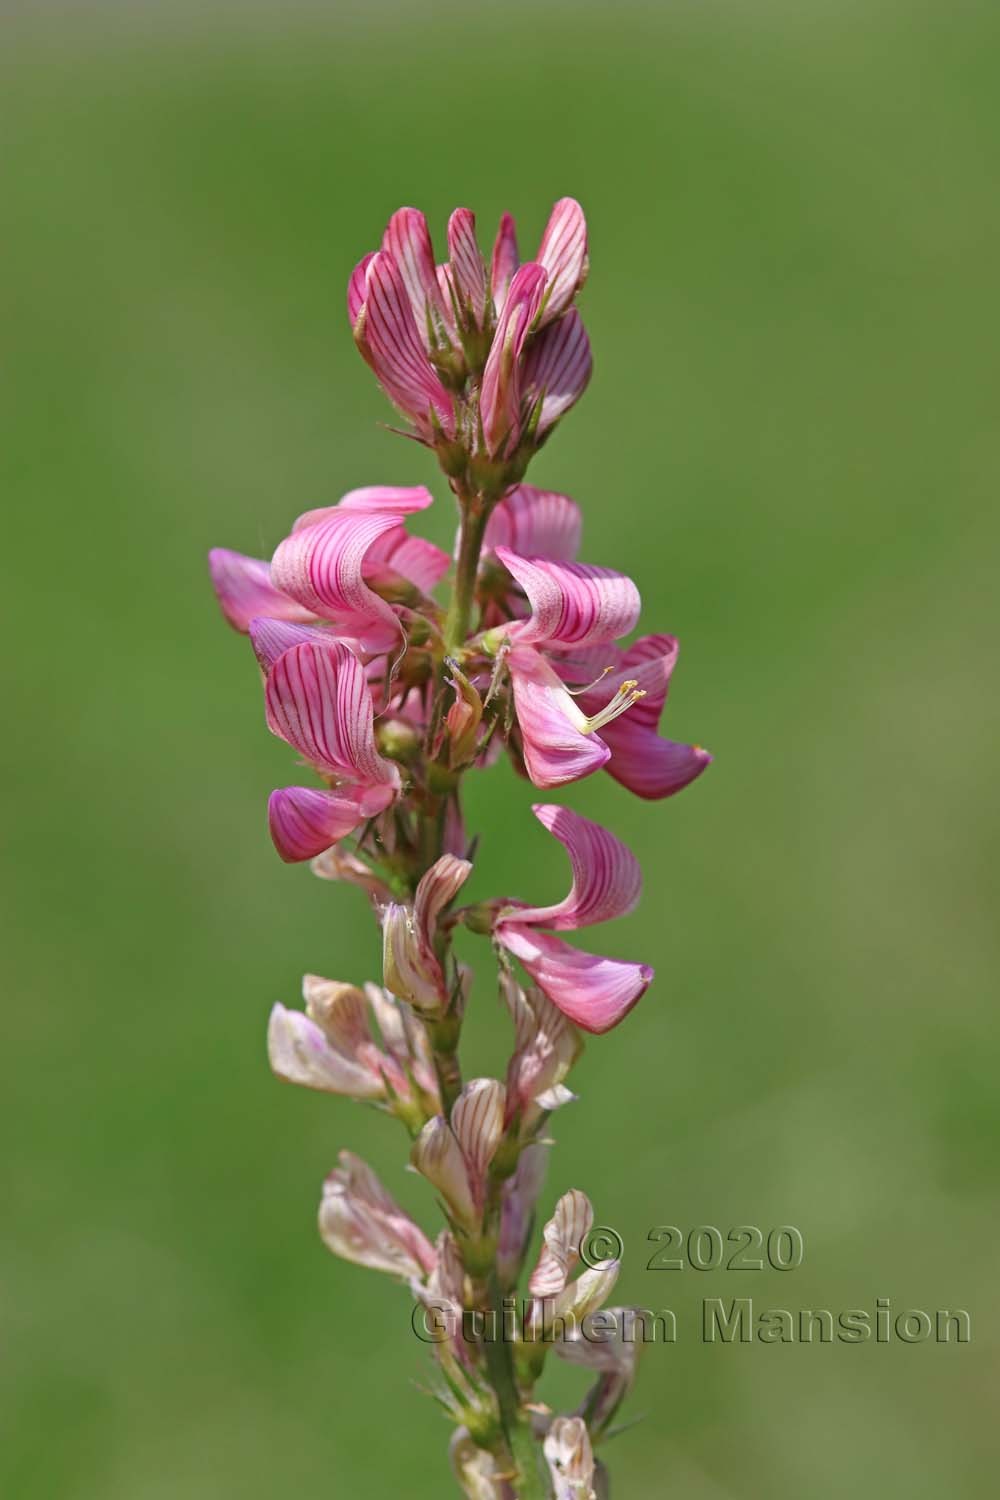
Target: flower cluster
[389, 695]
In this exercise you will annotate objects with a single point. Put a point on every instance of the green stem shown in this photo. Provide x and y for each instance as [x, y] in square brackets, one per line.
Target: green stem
[526, 1453]
[475, 513]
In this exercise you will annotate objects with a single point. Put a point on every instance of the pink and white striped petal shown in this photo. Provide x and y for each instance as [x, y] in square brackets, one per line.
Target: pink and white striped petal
[397, 499]
[477, 1118]
[595, 993]
[535, 523]
[607, 880]
[317, 699]
[388, 333]
[300, 1053]
[500, 394]
[410, 557]
[505, 261]
[322, 567]
[467, 270]
[557, 368]
[304, 821]
[571, 1221]
[556, 744]
[272, 638]
[408, 240]
[244, 589]
[572, 604]
[563, 253]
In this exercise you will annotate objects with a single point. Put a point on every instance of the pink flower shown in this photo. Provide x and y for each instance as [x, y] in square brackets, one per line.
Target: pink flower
[574, 615]
[411, 968]
[324, 571]
[360, 1221]
[502, 403]
[317, 700]
[455, 1156]
[595, 993]
[331, 1046]
[562, 255]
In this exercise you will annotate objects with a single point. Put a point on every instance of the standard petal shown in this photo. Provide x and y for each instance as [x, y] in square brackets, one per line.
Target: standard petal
[607, 880]
[535, 523]
[571, 1221]
[435, 890]
[467, 269]
[398, 499]
[505, 261]
[317, 699]
[556, 743]
[437, 1155]
[596, 993]
[411, 557]
[299, 1053]
[572, 604]
[500, 393]
[244, 589]
[397, 354]
[477, 1120]
[322, 567]
[304, 820]
[563, 253]
[557, 368]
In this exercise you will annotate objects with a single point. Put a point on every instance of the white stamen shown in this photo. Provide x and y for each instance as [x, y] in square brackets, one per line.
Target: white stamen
[627, 694]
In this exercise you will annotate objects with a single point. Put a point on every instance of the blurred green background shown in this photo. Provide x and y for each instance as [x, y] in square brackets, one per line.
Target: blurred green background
[791, 444]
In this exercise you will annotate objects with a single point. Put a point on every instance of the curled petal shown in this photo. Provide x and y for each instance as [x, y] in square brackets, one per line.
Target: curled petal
[468, 272]
[563, 253]
[322, 567]
[607, 880]
[408, 240]
[535, 523]
[572, 604]
[588, 1292]
[556, 742]
[272, 638]
[500, 394]
[505, 261]
[299, 1052]
[571, 1221]
[596, 993]
[647, 764]
[304, 820]
[244, 589]
[397, 499]
[317, 699]
[388, 333]
[557, 368]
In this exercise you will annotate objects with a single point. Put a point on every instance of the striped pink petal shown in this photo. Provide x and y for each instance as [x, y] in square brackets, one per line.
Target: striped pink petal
[572, 604]
[557, 368]
[647, 764]
[607, 880]
[299, 1052]
[408, 240]
[467, 270]
[356, 288]
[272, 638]
[244, 589]
[536, 523]
[641, 760]
[387, 329]
[304, 821]
[500, 394]
[399, 499]
[563, 253]
[322, 567]
[555, 743]
[505, 261]
[411, 557]
[317, 699]
[595, 993]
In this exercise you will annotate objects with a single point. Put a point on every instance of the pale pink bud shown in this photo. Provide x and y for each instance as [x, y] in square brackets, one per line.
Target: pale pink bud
[545, 1047]
[588, 1292]
[479, 1475]
[361, 1222]
[477, 1121]
[411, 968]
[500, 400]
[563, 253]
[570, 1459]
[437, 1155]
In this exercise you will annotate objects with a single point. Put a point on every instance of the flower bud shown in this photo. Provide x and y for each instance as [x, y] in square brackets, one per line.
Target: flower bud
[570, 1459]
[361, 1222]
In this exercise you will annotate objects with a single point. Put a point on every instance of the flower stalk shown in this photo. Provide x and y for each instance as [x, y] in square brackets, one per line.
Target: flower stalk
[390, 696]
